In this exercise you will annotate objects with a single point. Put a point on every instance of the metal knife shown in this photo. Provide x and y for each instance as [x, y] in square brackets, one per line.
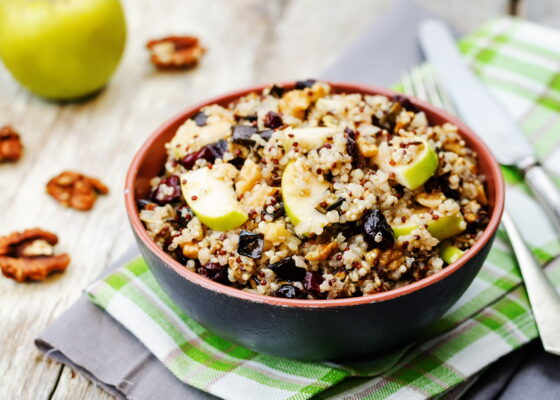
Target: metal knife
[489, 120]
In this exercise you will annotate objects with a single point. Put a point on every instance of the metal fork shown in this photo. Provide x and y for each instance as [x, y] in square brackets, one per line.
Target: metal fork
[422, 83]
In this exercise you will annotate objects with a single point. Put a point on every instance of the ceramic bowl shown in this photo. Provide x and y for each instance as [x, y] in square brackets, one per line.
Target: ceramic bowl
[311, 329]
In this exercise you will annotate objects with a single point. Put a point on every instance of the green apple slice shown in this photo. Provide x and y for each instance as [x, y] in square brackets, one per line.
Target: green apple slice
[307, 138]
[302, 191]
[450, 253]
[209, 193]
[190, 137]
[442, 228]
[417, 169]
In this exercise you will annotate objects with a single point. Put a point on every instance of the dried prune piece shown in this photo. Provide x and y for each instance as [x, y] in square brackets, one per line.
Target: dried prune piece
[287, 269]
[405, 102]
[377, 232]
[185, 214]
[242, 134]
[272, 120]
[305, 84]
[210, 153]
[215, 272]
[168, 191]
[312, 283]
[250, 244]
[179, 256]
[250, 117]
[440, 183]
[288, 291]
[336, 204]
[352, 147]
[266, 134]
[200, 118]
[276, 91]
[278, 211]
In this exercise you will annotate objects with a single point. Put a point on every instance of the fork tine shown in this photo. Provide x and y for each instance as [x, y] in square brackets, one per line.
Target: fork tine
[447, 104]
[418, 84]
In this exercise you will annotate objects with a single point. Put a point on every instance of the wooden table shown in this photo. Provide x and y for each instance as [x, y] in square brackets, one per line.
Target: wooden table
[248, 41]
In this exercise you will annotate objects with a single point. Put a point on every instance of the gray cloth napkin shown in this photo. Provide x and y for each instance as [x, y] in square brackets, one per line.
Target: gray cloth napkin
[91, 342]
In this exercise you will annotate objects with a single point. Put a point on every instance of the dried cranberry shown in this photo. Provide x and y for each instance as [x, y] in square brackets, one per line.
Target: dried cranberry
[377, 232]
[266, 134]
[250, 244]
[200, 118]
[215, 272]
[289, 292]
[312, 283]
[405, 102]
[286, 269]
[352, 147]
[272, 120]
[242, 134]
[276, 91]
[305, 84]
[163, 195]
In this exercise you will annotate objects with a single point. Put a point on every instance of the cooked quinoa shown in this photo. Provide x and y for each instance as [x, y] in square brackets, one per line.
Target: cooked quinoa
[337, 164]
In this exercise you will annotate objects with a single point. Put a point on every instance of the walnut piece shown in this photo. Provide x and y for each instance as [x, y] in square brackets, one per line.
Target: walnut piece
[322, 252]
[75, 190]
[175, 52]
[29, 255]
[11, 148]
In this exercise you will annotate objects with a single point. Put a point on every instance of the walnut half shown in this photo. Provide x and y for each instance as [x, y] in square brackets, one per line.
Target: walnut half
[11, 148]
[29, 255]
[175, 52]
[76, 190]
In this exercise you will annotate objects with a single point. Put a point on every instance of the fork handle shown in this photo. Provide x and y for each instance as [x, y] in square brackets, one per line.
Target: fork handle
[545, 301]
[545, 190]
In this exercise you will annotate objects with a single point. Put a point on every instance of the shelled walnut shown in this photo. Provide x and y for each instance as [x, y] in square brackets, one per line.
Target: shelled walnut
[76, 190]
[11, 147]
[175, 52]
[29, 255]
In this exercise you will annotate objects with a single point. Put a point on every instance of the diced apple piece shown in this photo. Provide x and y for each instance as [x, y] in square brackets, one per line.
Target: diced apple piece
[302, 191]
[442, 228]
[450, 253]
[306, 138]
[210, 194]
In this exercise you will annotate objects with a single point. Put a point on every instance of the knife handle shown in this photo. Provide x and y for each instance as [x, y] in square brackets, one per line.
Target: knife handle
[545, 190]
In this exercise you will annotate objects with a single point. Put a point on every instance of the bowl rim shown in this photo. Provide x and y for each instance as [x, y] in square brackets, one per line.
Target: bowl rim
[193, 277]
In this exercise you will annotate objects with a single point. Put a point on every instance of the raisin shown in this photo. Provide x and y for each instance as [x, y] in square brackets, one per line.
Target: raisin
[180, 257]
[405, 102]
[286, 269]
[242, 134]
[200, 118]
[161, 196]
[377, 232]
[250, 244]
[215, 272]
[276, 91]
[312, 283]
[289, 292]
[352, 147]
[305, 84]
[272, 120]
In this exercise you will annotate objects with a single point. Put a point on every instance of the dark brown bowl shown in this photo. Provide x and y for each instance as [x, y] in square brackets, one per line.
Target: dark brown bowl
[311, 329]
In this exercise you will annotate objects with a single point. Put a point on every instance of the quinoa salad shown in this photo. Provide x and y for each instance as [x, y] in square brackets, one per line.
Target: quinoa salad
[309, 193]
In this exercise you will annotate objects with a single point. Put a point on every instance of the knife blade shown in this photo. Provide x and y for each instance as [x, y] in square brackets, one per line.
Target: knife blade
[482, 112]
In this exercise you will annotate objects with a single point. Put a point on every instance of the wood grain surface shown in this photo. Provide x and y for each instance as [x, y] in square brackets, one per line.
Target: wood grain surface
[249, 42]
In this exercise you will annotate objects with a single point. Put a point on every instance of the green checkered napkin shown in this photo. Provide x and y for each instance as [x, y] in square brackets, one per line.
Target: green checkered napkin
[520, 63]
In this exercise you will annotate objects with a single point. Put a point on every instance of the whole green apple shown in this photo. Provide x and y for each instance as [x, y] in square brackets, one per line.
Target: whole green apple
[62, 49]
